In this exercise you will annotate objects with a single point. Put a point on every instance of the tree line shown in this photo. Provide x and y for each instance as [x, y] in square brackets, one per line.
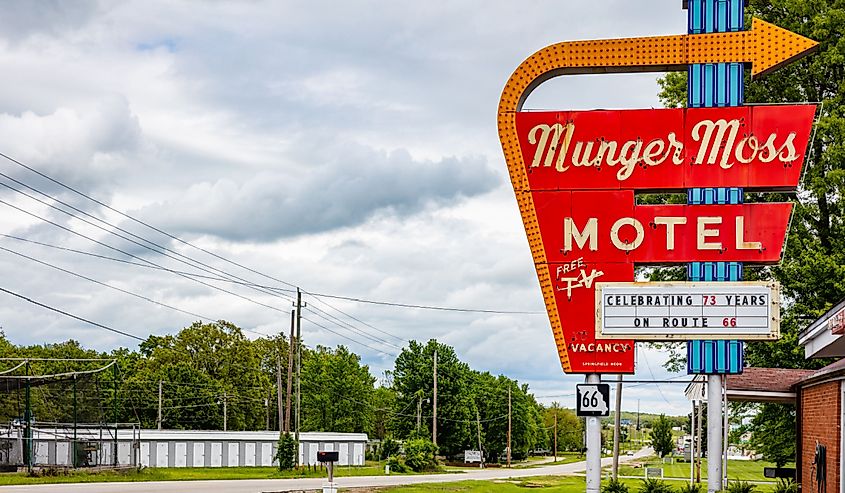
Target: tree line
[209, 375]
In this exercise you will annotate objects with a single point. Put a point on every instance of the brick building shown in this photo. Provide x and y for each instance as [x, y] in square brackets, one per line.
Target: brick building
[819, 397]
[821, 413]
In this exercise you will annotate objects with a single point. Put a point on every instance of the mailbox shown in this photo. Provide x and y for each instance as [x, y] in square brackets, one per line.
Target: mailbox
[779, 472]
[327, 456]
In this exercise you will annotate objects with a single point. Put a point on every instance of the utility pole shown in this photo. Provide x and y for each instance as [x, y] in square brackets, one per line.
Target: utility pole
[279, 392]
[555, 444]
[267, 410]
[290, 375]
[299, 305]
[419, 413]
[638, 423]
[434, 404]
[159, 405]
[478, 425]
[616, 426]
[225, 411]
[509, 426]
[698, 431]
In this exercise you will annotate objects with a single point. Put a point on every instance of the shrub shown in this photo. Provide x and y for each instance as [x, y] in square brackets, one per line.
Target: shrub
[786, 486]
[614, 486]
[691, 488]
[389, 447]
[741, 487]
[397, 464]
[652, 485]
[286, 452]
[420, 454]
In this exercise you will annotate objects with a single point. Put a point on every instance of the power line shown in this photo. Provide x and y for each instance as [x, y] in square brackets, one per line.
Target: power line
[424, 307]
[104, 284]
[95, 324]
[186, 275]
[349, 338]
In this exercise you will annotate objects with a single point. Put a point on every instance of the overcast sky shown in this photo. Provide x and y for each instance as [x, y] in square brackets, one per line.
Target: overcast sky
[349, 148]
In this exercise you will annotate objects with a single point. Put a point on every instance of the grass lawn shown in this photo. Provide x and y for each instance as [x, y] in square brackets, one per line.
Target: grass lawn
[188, 474]
[743, 470]
[547, 484]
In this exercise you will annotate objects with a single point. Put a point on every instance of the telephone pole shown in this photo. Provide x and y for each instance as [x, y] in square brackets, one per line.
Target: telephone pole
[616, 426]
[555, 433]
[299, 305]
[509, 426]
[434, 403]
[279, 390]
[159, 405]
[478, 425]
[225, 411]
[290, 373]
[419, 413]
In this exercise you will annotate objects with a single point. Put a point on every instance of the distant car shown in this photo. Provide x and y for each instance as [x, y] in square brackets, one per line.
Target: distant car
[630, 452]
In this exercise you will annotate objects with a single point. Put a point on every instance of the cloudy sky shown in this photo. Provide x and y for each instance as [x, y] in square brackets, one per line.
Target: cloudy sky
[349, 148]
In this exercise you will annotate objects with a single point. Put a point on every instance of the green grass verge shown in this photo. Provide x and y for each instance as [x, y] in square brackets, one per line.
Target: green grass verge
[187, 474]
[546, 484]
[741, 470]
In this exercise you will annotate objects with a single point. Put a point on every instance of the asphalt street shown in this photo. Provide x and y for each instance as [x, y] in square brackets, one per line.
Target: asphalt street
[279, 485]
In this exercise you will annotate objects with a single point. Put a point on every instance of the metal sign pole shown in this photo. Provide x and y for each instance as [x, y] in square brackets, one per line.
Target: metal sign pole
[714, 433]
[593, 445]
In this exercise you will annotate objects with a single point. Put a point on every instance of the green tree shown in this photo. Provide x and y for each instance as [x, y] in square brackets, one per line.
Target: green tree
[661, 436]
[337, 391]
[491, 400]
[384, 399]
[286, 452]
[413, 379]
[774, 433]
[570, 432]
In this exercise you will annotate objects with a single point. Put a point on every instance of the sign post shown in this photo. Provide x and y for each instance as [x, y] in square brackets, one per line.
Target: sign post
[575, 174]
[593, 434]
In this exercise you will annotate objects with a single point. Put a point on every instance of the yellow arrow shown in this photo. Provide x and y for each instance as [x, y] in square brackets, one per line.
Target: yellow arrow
[766, 47]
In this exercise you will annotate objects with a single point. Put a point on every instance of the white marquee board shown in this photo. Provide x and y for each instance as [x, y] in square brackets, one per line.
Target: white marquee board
[668, 311]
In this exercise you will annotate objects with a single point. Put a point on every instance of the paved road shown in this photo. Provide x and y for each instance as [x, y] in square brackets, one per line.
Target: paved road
[279, 485]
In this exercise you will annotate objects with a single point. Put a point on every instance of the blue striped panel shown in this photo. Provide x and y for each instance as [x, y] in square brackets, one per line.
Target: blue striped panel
[715, 85]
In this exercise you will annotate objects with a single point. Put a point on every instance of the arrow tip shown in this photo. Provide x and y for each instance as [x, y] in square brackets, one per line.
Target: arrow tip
[774, 47]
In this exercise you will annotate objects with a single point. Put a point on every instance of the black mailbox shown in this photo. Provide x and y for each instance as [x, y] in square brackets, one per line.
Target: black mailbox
[779, 472]
[327, 456]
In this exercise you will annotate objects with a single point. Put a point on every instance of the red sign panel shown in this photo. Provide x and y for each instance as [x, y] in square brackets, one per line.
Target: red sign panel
[668, 149]
[608, 227]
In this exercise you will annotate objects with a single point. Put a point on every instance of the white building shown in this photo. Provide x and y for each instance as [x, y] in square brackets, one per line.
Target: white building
[178, 448]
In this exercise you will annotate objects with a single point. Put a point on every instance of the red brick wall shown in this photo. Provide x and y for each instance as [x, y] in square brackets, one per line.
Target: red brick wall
[820, 420]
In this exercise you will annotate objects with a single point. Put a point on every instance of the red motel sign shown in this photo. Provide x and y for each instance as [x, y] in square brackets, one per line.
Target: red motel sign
[575, 175]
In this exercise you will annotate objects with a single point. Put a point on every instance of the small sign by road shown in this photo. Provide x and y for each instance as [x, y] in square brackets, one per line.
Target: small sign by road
[593, 399]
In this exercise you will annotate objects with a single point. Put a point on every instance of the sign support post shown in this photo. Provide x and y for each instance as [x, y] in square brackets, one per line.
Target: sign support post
[714, 85]
[593, 445]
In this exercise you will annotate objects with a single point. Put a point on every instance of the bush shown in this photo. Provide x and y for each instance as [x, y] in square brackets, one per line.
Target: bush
[389, 447]
[741, 487]
[420, 454]
[786, 486]
[286, 452]
[614, 486]
[397, 464]
[691, 488]
[652, 485]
